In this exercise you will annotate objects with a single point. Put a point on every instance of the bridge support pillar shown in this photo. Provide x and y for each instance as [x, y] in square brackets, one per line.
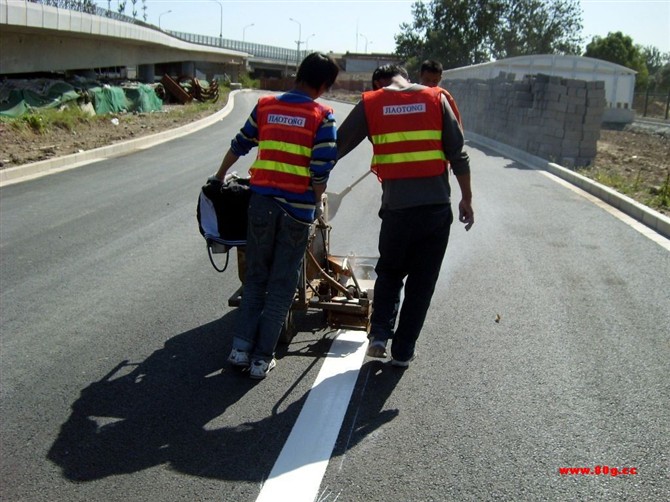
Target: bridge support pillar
[146, 73]
[188, 68]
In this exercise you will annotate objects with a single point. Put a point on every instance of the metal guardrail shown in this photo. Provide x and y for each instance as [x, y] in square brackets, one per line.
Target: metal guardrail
[279, 54]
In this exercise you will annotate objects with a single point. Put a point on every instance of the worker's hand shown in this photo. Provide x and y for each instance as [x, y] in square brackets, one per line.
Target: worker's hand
[466, 214]
[318, 211]
[213, 178]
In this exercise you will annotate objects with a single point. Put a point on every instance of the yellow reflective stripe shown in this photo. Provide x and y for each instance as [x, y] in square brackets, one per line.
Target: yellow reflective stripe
[395, 158]
[285, 147]
[281, 167]
[394, 137]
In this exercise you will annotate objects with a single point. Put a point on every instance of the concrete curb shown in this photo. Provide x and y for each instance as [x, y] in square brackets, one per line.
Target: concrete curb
[652, 219]
[26, 172]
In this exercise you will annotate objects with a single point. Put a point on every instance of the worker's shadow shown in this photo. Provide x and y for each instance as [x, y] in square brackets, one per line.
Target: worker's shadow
[164, 410]
[368, 410]
[173, 408]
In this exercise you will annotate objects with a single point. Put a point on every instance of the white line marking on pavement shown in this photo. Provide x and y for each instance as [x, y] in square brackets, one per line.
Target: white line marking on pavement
[643, 229]
[302, 463]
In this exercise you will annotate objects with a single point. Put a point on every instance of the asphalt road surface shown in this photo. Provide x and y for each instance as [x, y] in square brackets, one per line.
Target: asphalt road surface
[546, 347]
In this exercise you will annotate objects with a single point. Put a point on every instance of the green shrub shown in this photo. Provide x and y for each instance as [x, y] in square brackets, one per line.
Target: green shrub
[248, 82]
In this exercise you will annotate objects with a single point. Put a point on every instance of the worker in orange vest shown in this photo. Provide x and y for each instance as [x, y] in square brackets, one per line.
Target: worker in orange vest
[295, 137]
[431, 76]
[414, 134]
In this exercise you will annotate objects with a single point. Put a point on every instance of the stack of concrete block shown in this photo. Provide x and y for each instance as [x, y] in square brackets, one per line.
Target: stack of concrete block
[552, 117]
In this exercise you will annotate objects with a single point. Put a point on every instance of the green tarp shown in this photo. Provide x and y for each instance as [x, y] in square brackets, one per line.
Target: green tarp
[106, 99]
[21, 101]
[143, 99]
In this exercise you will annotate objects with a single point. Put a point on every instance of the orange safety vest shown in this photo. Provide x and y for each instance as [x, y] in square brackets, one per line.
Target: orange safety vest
[286, 134]
[452, 103]
[406, 132]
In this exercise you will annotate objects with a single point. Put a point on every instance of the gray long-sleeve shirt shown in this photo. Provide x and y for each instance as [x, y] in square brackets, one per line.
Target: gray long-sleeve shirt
[411, 192]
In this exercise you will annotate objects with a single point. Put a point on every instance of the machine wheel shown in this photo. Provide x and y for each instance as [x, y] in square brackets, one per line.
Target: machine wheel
[288, 329]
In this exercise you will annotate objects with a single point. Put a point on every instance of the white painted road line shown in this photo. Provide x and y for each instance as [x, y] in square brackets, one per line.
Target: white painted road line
[302, 463]
[643, 229]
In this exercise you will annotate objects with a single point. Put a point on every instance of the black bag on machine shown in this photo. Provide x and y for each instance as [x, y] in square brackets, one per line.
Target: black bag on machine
[222, 216]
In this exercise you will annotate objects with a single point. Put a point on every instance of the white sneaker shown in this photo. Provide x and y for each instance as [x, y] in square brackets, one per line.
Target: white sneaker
[239, 358]
[259, 368]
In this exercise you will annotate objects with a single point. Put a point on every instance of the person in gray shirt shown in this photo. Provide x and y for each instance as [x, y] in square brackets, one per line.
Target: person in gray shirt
[416, 138]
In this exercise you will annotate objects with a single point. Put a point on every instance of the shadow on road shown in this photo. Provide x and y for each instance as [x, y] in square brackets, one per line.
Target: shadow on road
[164, 410]
[157, 411]
[489, 152]
[366, 413]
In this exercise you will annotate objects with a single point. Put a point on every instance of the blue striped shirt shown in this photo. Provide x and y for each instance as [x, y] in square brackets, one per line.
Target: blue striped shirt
[324, 156]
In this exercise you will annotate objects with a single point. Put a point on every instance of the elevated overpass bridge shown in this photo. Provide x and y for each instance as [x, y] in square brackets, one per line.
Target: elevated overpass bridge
[39, 38]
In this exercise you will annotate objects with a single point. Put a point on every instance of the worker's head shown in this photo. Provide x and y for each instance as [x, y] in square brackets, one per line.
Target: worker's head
[318, 72]
[385, 74]
[431, 73]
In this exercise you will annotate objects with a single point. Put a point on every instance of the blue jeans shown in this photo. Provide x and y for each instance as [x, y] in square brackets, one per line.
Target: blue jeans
[412, 243]
[276, 246]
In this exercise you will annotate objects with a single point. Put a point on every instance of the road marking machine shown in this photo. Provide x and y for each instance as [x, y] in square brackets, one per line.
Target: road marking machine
[340, 286]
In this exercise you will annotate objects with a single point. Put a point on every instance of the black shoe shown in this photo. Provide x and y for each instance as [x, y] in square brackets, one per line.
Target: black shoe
[376, 348]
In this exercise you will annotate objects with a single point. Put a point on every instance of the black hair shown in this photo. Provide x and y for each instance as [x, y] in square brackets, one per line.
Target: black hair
[431, 66]
[388, 71]
[317, 69]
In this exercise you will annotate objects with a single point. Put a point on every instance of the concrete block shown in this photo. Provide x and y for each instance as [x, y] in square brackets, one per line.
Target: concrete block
[573, 135]
[558, 132]
[596, 94]
[600, 84]
[570, 151]
[579, 94]
[590, 138]
[557, 106]
[577, 109]
[572, 122]
[553, 91]
[574, 83]
[583, 161]
[588, 151]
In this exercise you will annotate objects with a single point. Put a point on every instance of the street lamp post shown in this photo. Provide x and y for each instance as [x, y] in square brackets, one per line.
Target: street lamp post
[307, 42]
[298, 42]
[159, 18]
[244, 31]
[220, 22]
[366, 42]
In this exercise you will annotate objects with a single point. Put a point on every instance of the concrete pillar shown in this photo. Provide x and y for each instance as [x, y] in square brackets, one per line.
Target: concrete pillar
[188, 68]
[146, 73]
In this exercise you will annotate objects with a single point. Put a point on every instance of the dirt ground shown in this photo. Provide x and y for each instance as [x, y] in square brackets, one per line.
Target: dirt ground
[635, 161]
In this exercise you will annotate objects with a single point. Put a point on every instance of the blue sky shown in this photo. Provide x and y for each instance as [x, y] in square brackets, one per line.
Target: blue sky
[357, 25]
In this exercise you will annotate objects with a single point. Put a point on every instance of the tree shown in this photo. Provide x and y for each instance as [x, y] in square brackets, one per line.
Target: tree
[663, 78]
[619, 48]
[658, 65]
[87, 6]
[653, 58]
[464, 32]
[452, 31]
[538, 27]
